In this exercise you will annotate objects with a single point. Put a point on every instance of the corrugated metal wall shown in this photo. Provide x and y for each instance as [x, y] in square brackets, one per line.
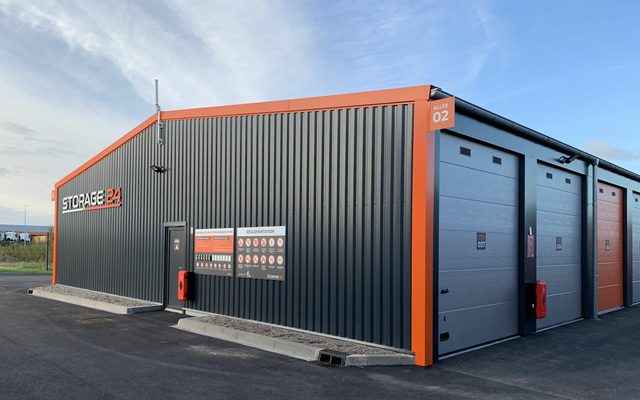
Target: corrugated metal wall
[340, 180]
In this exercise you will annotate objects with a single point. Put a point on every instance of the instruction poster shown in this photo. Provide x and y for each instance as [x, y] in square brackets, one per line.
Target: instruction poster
[214, 251]
[260, 252]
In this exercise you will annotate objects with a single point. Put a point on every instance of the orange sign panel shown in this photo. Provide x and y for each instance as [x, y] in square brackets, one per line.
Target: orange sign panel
[213, 250]
[442, 113]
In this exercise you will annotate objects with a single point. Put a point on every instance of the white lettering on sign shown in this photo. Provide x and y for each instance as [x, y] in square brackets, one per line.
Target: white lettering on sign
[440, 116]
[91, 201]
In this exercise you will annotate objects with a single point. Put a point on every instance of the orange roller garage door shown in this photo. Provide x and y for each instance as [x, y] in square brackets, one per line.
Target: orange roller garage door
[610, 246]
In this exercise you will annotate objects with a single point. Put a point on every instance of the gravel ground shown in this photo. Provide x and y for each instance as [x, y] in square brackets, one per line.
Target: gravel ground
[295, 336]
[97, 296]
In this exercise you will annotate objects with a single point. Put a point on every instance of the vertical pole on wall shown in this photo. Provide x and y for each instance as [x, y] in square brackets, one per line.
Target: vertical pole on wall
[588, 280]
[159, 137]
[422, 239]
[527, 253]
[594, 310]
[47, 260]
[628, 248]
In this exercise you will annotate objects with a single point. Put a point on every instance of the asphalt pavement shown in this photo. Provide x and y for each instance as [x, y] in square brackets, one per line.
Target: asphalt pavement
[52, 350]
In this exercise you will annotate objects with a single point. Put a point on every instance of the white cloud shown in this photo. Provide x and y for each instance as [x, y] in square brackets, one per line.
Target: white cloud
[605, 150]
[203, 53]
[86, 76]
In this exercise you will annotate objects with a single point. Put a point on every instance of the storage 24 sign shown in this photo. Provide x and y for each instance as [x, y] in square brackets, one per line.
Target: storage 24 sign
[260, 252]
[92, 201]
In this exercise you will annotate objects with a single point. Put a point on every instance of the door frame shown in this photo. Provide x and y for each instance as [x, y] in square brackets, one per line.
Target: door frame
[165, 227]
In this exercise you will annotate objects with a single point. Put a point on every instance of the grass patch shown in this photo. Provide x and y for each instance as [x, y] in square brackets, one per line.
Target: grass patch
[31, 252]
[24, 268]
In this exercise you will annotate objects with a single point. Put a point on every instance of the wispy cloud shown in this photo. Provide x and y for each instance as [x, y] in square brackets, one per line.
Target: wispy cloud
[17, 129]
[4, 171]
[607, 151]
[78, 74]
[203, 53]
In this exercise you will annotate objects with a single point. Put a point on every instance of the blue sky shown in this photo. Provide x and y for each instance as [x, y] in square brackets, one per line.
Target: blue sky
[75, 76]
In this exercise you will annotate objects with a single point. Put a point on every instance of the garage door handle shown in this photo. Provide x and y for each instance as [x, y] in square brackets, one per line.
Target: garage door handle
[444, 291]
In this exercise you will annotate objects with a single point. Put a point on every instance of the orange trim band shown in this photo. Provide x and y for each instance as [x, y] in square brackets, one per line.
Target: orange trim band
[422, 225]
[102, 207]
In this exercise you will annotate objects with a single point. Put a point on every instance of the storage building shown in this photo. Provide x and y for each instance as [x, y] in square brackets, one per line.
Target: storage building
[407, 218]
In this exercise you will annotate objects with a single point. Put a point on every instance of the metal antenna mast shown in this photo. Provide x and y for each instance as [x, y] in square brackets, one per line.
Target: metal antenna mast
[159, 126]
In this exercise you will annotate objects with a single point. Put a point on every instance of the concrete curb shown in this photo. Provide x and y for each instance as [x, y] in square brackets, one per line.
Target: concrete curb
[274, 345]
[98, 305]
[285, 347]
[371, 360]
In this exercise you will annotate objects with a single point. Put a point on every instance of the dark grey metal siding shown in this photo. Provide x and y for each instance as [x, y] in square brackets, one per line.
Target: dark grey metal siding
[478, 288]
[635, 214]
[559, 214]
[340, 181]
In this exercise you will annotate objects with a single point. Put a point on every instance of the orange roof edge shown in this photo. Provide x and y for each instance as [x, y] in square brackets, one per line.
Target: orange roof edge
[370, 98]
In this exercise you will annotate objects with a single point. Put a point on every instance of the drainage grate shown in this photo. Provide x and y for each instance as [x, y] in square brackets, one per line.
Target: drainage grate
[332, 358]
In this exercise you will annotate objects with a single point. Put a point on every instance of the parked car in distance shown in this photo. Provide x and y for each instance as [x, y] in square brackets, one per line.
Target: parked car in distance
[24, 237]
[10, 236]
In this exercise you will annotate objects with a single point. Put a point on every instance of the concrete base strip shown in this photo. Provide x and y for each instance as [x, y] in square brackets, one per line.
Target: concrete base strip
[98, 305]
[370, 360]
[202, 326]
[285, 347]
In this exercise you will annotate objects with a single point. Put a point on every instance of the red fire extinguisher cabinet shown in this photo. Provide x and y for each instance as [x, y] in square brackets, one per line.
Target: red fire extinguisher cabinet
[541, 299]
[183, 285]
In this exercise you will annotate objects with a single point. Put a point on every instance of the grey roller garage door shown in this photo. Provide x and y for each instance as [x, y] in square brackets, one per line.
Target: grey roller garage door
[478, 223]
[635, 209]
[559, 258]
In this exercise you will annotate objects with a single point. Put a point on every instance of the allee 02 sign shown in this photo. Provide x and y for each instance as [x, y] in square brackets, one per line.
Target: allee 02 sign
[91, 201]
[442, 113]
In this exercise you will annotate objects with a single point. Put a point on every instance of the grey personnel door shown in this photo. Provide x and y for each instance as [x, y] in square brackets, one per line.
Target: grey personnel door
[559, 243]
[175, 256]
[478, 244]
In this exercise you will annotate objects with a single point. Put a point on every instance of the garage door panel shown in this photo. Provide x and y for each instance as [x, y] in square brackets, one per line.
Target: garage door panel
[609, 274]
[609, 211]
[614, 254]
[554, 224]
[567, 307]
[476, 288]
[611, 194]
[636, 246]
[609, 229]
[556, 201]
[474, 216]
[470, 327]
[478, 193]
[478, 185]
[635, 215]
[480, 158]
[609, 297]
[548, 254]
[458, 250]
[559, 243]
[636, 270]
[561, 278]
[558, 179]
